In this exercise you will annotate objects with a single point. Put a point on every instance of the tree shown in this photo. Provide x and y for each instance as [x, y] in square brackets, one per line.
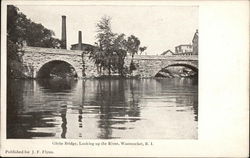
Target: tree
[20, 29]
[142, 49]
[105, 39]
[133, 45]
[112, 48]
[120, 48]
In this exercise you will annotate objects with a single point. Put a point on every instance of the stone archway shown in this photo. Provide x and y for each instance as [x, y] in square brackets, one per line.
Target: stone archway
[44, 70]
[190, 65]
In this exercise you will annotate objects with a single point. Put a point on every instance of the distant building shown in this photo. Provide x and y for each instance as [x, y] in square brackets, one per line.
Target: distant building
[188, 49]
[80, 45]
[168, 53]
[184, 49]
[83, 46]
[195, 43]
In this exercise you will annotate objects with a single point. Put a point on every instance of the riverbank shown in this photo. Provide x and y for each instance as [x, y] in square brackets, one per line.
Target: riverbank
[22, 77]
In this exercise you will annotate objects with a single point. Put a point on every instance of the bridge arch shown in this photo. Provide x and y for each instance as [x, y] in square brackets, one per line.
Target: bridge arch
[190, 65]
[45, 69]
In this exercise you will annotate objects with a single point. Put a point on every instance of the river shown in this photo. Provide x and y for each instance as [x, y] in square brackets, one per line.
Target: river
[103, 109]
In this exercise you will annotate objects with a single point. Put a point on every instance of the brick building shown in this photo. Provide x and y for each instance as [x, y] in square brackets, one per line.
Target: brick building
[80, 45]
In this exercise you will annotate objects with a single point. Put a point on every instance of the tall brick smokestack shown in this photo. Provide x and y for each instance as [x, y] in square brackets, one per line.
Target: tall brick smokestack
[79, 40]
[64, 37]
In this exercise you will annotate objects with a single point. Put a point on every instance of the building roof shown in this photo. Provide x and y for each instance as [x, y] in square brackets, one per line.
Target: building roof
[184, 45]
[168, 51]
[85, 44]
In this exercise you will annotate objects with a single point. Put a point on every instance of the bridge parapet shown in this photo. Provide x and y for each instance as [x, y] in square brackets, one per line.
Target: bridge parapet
[34, 50]
[37, 50]
[161, 57]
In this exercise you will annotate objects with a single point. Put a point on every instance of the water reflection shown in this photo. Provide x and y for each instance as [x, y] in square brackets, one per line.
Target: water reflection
[57, 85]
[103, 109]
[116, 108]
[20, 118]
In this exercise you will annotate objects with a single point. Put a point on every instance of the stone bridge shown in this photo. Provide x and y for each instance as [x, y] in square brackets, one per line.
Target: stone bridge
[40, 62]
[150, 65]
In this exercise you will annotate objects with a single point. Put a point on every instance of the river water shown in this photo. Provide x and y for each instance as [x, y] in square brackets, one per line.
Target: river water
[103, 109]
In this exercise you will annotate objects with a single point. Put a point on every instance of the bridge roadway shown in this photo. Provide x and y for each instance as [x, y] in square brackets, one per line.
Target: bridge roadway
[40, 60]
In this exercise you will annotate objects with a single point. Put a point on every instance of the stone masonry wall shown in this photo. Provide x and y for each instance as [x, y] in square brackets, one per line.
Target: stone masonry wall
[34, 58]
[90, 68]
[146, 65]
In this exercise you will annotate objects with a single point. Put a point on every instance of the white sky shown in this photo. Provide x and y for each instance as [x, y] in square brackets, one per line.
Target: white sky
[158, 27]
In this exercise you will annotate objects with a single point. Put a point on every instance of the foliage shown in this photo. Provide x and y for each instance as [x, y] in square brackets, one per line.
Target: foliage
[133, 45]
[110, 51]
[62, 70]
[20, 29]
[132, 66]
[112, 48]
[119, 53]
[142, 49]
[12, 50]
[14, 66]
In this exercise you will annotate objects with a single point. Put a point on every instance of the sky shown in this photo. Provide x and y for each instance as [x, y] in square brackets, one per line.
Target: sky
[159, 28]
